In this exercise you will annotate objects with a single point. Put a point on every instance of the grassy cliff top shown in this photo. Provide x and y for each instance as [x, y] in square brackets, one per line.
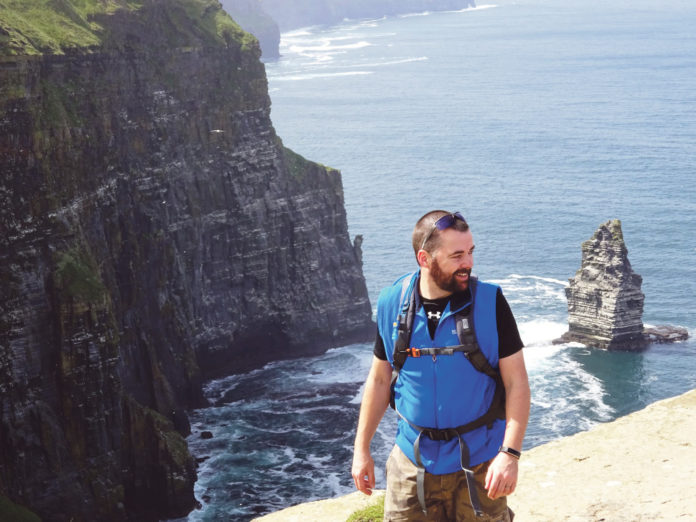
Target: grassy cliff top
[32, 27]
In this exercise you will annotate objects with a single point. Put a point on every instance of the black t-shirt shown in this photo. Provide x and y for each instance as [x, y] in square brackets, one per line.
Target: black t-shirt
[509, 341]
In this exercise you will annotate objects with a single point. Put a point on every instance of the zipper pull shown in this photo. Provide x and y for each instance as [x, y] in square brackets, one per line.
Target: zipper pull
[434, 357]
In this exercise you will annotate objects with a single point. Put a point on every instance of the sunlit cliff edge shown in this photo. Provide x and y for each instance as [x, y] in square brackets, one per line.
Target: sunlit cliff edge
[636, 468]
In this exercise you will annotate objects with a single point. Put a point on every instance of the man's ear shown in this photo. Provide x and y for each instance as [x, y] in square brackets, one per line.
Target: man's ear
[423, 259]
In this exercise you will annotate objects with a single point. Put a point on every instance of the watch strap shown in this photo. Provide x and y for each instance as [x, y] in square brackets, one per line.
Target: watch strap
[510, 451]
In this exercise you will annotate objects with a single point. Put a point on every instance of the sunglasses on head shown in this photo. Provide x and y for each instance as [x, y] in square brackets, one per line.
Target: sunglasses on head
[443, 223]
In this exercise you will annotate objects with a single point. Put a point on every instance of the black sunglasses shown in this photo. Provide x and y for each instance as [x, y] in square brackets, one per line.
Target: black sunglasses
[443, 223]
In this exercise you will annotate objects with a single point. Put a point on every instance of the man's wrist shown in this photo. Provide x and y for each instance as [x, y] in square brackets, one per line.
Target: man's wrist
[510, 451]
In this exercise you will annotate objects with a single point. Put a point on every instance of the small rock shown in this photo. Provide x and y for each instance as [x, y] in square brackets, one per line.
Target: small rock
[666, 334]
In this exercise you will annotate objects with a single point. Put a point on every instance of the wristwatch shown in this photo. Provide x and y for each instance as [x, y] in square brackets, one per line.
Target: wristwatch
[510, 451]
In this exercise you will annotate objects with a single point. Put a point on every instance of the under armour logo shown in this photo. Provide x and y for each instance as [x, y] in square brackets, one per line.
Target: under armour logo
[434, 315]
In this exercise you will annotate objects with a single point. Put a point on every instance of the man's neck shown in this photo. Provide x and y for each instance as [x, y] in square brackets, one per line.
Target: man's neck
[429, 290]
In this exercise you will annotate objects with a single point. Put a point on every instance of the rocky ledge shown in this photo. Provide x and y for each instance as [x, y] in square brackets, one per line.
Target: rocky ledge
[665, 334]
[636, 468]
[605, 301]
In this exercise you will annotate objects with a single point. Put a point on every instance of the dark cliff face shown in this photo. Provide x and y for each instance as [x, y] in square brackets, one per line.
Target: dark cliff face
[154, 233]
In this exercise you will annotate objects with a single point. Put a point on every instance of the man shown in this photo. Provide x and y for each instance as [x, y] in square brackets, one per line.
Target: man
[462, 415]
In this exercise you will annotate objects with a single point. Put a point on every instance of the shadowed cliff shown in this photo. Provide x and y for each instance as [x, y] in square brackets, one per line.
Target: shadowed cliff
[154, 233]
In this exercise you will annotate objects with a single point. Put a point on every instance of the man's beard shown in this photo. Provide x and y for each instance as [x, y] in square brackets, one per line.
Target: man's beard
[449, 282]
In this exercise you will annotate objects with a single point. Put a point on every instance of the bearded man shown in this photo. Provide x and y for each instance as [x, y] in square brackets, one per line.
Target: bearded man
[448, 358]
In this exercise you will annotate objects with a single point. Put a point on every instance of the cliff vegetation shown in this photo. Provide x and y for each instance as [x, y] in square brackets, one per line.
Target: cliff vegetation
[37, 27]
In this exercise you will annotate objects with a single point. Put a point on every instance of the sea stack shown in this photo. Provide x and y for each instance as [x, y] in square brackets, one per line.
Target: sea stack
[605, 301]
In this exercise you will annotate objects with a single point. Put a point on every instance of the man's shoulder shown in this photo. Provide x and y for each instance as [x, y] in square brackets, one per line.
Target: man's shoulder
[396, 289]
[486, 283]
[488, 287]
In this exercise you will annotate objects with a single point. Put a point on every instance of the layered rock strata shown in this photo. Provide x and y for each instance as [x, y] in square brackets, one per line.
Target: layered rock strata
[605, 301]
[154, 233]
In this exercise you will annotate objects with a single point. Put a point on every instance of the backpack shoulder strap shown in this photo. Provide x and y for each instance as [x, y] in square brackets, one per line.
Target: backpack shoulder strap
[464, 319]
[405, 326]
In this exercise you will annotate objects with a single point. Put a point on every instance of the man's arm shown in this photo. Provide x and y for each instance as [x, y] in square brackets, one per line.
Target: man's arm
[374, 403]
[501, 479]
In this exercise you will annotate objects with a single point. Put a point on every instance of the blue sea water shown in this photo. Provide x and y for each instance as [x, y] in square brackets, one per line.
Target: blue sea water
[539, 120]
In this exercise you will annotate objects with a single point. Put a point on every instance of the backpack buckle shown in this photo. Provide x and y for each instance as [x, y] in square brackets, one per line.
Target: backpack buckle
[413, 352]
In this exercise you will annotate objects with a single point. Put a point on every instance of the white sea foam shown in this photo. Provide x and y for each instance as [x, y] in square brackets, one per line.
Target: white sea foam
[298, 32]
[477, 8]
[322, 51]
[555, 409]
[536, 357]
[357, 398]
[358, 26]
[539, 278]
[311, 76]
[376, 64]
[540, 332]
[286, 42]
[410, 15]
[326, 46]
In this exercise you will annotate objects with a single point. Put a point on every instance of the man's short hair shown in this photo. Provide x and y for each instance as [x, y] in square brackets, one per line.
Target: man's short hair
[426, 225]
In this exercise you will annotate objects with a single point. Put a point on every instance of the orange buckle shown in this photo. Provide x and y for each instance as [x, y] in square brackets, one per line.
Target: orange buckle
[414, 352]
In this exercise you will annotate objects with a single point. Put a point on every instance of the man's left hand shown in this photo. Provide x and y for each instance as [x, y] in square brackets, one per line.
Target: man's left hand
[501, 478]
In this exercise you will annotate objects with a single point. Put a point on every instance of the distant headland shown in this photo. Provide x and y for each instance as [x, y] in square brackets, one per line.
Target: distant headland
[266, 19]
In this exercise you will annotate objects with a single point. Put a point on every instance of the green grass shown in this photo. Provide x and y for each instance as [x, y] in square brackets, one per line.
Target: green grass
[298, 166]
[14, 512]
[372, 513]
[53, 26]
[32, 27]
[77, 275]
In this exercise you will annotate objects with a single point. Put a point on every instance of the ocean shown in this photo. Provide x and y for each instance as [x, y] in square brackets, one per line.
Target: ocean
[538, 120]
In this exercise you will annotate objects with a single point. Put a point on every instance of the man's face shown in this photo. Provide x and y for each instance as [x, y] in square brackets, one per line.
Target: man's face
[451, 263]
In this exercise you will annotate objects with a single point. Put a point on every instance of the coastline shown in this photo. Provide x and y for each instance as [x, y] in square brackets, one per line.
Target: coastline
[636, 468]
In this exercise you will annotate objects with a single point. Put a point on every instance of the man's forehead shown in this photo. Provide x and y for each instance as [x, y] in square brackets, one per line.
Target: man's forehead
[453, 240]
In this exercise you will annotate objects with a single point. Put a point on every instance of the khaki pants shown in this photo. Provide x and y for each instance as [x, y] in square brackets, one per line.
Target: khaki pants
[446, 496]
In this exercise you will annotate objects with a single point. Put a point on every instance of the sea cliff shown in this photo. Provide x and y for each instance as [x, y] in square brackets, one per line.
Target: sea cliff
[155, 233]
